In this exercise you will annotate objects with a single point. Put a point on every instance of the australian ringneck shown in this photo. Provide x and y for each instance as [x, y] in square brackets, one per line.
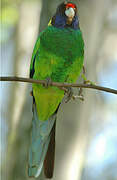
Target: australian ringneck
[58, 54]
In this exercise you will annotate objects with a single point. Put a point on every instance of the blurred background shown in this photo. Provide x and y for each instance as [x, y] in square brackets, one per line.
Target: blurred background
[86, 137]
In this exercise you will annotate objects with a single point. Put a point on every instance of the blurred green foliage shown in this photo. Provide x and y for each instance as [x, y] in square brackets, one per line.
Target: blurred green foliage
[10, 11]
[9, 15]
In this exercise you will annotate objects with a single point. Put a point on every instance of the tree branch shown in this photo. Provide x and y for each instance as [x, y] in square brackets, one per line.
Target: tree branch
[57, 84]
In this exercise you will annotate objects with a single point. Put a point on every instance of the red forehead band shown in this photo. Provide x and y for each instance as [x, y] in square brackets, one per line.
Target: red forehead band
[70, 5]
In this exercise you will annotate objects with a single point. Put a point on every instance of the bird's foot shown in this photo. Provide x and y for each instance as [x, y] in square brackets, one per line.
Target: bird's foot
[81, 97]
[47, 82]
[87, 81]
[69, 93]
[80, 94]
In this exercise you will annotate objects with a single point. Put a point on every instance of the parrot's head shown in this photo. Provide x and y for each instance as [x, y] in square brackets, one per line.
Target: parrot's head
[66, 16]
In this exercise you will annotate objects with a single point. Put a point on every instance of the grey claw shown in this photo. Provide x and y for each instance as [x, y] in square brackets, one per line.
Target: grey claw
[69, 94]
[48, 82]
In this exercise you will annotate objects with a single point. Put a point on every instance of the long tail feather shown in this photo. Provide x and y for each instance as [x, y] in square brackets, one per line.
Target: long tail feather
[41, 133]
[50, 156]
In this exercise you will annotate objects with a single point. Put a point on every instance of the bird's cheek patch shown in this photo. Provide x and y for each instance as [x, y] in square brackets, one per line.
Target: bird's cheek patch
[70, 12]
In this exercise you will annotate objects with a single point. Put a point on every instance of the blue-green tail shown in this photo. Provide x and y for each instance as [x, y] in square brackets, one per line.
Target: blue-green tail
[41, 140]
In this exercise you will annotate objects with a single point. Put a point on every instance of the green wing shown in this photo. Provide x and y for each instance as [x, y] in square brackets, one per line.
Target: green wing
[35, 50]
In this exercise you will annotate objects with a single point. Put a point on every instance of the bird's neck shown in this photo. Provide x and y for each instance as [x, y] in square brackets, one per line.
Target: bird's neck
[63, 22]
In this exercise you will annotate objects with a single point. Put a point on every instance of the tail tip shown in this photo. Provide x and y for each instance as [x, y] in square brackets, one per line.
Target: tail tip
[35, 171]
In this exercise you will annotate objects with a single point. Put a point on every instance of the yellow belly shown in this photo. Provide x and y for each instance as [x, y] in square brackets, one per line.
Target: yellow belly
[47, 100]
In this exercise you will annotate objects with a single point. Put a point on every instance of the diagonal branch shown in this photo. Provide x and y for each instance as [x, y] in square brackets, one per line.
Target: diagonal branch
[57, 84]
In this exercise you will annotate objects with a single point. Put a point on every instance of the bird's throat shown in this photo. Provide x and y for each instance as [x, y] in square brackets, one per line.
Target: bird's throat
[69, 20]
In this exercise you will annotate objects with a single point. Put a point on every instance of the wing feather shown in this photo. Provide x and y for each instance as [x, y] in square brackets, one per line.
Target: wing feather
[34, 54]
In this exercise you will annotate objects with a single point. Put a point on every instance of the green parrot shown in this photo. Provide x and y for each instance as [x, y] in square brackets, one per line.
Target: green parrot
[58, 55]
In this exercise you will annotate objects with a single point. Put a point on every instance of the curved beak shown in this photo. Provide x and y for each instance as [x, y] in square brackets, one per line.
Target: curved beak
[70, 13]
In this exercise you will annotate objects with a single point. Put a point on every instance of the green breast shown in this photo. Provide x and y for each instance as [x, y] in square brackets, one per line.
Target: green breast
[59, 50]
[66, 43]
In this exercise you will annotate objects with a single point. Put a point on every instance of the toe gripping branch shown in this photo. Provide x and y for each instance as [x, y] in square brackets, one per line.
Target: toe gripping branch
[48, 82]
[85, 79]
[80, 96]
